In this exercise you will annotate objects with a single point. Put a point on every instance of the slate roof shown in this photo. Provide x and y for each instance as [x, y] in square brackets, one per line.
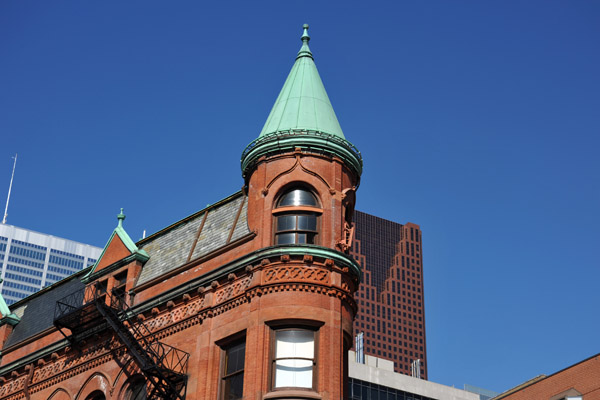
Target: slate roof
[37, 311]
[168, 249]
[171, 248]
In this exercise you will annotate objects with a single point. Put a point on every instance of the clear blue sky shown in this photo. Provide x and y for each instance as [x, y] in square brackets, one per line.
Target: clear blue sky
[479, 121]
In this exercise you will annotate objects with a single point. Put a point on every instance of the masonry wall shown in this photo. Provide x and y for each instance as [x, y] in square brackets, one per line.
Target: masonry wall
[582, 378]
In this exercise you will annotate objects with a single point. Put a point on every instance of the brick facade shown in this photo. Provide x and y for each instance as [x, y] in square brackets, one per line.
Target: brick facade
[581, 379]
[164, 313]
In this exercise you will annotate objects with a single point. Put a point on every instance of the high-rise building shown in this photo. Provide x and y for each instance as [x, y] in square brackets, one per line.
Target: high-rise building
[391, 310]
[31, 260]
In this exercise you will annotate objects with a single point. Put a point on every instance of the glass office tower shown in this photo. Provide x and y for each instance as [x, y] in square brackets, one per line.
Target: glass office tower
[31, 260]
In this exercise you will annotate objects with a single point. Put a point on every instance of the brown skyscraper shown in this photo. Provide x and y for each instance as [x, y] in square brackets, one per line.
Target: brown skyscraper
[391, 310]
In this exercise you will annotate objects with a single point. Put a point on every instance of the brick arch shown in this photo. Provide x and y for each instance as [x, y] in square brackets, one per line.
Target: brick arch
[296, 184]
[300, 167]
[60, 394]
[96, 382]
[300, 179]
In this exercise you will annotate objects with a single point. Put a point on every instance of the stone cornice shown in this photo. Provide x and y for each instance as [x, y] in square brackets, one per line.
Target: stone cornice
[340, 259]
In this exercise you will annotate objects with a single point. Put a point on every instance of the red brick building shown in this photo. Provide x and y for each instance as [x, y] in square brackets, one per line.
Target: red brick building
[580, 381]
[249, 298]
[391, 306]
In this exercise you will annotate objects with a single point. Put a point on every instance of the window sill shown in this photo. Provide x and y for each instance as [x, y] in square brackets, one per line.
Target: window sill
[292, 394]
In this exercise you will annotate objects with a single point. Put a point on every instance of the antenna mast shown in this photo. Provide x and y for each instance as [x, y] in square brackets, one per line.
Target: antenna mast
[9, 189]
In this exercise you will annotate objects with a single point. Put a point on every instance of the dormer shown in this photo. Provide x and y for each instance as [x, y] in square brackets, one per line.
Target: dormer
[120, 263]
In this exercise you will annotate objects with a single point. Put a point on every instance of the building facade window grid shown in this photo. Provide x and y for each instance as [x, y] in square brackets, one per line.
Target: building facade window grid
[362, 390]
[383, 249]
[27, 267]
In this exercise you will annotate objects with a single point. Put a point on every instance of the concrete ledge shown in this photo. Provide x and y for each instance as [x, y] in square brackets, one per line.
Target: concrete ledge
[292, 394]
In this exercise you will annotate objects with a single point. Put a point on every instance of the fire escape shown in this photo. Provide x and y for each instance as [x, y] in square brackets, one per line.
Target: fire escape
[92, 310]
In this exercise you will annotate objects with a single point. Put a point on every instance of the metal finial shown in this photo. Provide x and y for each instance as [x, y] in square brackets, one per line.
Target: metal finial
[304, 50]
[305, 36]
[121, 217]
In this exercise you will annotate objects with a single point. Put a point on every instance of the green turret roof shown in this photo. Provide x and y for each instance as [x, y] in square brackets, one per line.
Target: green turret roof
[303, 102]
[302, 117]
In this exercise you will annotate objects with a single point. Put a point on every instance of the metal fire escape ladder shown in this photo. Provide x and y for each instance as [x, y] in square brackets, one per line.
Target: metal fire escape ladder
[163, 366]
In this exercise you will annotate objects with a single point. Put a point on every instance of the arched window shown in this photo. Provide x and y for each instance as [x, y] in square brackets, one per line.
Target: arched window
[96, 395]
[136, 389]
[297, 217]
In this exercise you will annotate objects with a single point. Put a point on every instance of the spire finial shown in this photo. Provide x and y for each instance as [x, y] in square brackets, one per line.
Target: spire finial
[305, 36]
[304, 50]
[121, 217]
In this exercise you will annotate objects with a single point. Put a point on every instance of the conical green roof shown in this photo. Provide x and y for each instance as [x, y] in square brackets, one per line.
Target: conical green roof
[302, 118]
[303, 102]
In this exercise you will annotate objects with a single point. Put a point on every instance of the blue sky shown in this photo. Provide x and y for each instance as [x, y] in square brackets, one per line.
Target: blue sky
[479, 121]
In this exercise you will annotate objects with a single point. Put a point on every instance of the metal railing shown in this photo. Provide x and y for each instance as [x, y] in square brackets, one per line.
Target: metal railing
[75, 301]
[162, 355]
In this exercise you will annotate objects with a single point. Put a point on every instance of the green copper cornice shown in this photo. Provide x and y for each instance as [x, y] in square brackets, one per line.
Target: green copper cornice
[302, 117]
[7, 317]
[309, 141]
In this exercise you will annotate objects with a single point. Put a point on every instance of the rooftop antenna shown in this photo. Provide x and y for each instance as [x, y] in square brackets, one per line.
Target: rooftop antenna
[9, 189]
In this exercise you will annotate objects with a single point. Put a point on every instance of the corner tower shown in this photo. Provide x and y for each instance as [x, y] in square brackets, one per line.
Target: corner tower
[302, 145]
[301, 176]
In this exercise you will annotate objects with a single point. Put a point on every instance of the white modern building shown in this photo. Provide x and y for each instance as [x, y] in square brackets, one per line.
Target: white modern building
[31, 260]
[376, 380]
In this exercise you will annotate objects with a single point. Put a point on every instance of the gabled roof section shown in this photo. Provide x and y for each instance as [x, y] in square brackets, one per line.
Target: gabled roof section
[303, 102]
[118, 247]
[203, 233]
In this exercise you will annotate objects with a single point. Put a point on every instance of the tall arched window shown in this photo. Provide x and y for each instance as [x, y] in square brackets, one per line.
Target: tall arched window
[297, 217]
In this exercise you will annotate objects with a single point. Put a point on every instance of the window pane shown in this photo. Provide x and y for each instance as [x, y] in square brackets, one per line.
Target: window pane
[301, 238]
[295, 343]
[233, 376]
[307, 222]
[286, 223]
[298, 197]
[234, 387]
[235, 358]
[293, 373]
[286, 238]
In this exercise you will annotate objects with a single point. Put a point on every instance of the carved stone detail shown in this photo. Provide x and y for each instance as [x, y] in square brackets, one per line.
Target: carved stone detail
[295, 273]
[232, 290]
